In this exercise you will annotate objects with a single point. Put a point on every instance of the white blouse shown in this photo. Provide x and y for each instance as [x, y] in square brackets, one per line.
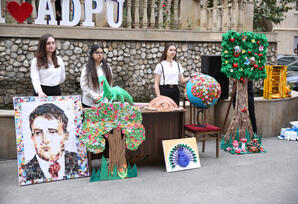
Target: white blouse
[171, 72]
[89, 93]
[48, 77]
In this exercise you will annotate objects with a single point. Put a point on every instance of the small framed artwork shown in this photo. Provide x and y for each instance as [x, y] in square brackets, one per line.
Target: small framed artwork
[181, 154]
[47, 136]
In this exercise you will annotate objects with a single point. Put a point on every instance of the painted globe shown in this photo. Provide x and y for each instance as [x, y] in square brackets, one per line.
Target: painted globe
[202, 91]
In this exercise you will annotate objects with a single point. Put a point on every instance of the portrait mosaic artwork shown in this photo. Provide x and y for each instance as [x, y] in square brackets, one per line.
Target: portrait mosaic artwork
[47, 132]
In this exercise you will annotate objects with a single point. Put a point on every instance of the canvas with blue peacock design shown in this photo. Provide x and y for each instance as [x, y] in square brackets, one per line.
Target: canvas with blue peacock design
[182, 155]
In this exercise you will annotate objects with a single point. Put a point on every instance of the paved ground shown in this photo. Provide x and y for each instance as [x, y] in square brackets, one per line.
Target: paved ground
[255, 178]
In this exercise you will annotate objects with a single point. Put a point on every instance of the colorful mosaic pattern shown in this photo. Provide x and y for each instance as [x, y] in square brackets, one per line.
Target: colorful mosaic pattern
[101, 120]
[75, 163]
[181, 155]
[203, 91]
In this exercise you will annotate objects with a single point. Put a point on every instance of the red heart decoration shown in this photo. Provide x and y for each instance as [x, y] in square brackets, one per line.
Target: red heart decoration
[19, 12]
[255, 66]
[235, 65]
[260, 55]
[232, 39]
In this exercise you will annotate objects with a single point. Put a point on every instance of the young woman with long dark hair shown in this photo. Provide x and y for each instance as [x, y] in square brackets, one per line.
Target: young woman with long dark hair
[96, 66]
[47, 69]
[168, 73]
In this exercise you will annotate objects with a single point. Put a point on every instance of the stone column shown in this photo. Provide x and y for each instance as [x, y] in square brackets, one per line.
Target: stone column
[168, 14]
[203, 17]
[219, 19]
[234, 17]
[209, 18]
[248, 16]
[176, 19]
[160, 17]
[137, 16]
[214, 16]
[145, 20]
[240, 16]
[225, 16]
[128, 17]
[152, 14]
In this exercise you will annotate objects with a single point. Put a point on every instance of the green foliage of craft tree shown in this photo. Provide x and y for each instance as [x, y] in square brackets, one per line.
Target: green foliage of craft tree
[101, 120]
[244, 55]
[267, 12]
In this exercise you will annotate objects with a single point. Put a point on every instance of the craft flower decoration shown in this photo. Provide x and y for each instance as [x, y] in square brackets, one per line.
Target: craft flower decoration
[101, 120]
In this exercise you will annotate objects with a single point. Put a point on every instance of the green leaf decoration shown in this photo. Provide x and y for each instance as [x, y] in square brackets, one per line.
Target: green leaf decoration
[247, 136]
[231, 142]
[114, 173]
[255, 136]
[104, 172]
[237, 134]
[132, 172]
[98, 121]
[92, 178]
[123, 173]
[260, 139]
[244, 55]
[97, 176]
[223, 144]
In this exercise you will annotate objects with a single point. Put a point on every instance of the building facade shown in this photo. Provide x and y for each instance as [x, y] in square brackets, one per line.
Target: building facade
[287, 30]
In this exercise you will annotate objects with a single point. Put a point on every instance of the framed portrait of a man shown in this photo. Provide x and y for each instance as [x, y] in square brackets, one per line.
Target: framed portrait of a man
[47, 136]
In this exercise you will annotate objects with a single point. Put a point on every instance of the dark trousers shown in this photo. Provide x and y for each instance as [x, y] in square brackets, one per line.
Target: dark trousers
[251, 110]
[171, 91]
[50, 90]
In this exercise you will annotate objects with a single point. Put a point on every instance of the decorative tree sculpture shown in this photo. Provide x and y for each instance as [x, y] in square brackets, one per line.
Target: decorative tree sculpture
[128, 131]
[243, 59]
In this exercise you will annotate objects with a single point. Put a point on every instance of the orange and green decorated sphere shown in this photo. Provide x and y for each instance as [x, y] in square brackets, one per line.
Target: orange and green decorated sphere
[203, 91]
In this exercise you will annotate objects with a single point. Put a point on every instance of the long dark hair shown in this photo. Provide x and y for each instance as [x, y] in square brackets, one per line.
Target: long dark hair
[41, 53]
[91, 68]
[164, 54]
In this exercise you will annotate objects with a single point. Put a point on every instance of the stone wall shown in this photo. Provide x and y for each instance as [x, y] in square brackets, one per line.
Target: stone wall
[133, 63]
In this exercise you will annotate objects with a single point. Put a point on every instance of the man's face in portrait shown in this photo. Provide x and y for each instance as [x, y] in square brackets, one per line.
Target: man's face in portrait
[48, 138]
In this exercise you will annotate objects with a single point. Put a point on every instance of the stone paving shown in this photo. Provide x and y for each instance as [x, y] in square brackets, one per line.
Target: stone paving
[252, 178]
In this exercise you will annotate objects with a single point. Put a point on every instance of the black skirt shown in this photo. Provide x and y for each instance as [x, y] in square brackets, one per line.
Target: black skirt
[50, 90]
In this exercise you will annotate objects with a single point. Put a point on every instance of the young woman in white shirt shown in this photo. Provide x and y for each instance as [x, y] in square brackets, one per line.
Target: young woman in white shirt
[168, 73]
[47, 69]
[96, 66]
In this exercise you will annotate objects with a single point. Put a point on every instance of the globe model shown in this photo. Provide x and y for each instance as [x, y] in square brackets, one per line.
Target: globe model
[203, 91]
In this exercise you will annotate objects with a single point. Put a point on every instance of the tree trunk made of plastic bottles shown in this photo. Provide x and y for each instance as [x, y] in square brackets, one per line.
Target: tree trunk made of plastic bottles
[241, 118]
